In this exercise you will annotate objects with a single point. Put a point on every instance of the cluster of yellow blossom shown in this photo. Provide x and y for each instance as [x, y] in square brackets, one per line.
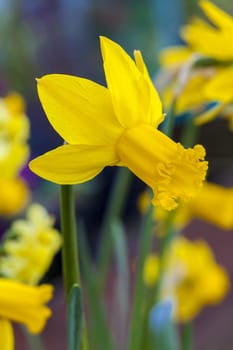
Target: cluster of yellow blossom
[27, 252]
[29, 246]
[14, 152]
[213, 203]
[202, 71]
[190, 277]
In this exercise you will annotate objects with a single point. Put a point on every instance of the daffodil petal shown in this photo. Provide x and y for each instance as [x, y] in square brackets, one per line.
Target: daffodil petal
[72, 164]
[216, 15]
[219, 88]
[6, 335]
[78, 109]
[128, 87]
[208, 40]
[174, 55]
[155, 116]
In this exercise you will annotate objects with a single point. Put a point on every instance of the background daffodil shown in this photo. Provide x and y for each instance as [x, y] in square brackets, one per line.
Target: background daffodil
[214, 40]
[29, 246]
[191, 277]
[116, 126]
[23, 304]
[213, 204]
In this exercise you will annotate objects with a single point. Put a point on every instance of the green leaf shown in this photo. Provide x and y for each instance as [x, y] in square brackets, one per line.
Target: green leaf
[163, 332]
[75, 318]
[122, 288]
[100, 335]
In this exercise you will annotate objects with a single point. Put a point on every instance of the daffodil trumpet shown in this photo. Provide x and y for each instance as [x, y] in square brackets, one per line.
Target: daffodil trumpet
[22, 304]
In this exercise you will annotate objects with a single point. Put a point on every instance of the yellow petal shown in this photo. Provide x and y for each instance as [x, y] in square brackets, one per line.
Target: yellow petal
[218, 200]
[6, 335]
[219, 17]
[175, 55]
[129, 89]
[78, 109]
[155, 116]
[210, 114]
[72, 164]
[207, 40]
[220, 88]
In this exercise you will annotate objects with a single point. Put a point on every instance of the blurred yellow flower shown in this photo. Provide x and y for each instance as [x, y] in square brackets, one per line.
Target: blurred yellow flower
[191, 278]
[23, 304]
[214, 204]
[14, 124]
[195, 87]
[174, 56]
[14, 195]
[151, 270]
[191, 96]
[116, 126]
[30, 246]
[14, 152]
[213, 40]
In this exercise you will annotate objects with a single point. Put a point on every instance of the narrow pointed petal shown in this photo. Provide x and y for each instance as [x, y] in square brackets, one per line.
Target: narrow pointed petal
[72, 164]
[6, 335]
[78, 109]
[219, 17]
[128, 87]
[155, 117]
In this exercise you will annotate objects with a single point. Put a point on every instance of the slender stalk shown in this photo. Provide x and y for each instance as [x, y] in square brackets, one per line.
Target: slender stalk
[99, 331]
[114, 209]
[70, 257]
[35, 342]
[70, 261]
[187, 336]
[190, 134]
[169, 122]
[137, 319]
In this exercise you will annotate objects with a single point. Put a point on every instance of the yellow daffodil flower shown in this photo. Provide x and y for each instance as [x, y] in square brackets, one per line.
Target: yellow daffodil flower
[191, 278]
[23, 304]
[116, 126]
[214, 40]
[213, 204]
[28, 255]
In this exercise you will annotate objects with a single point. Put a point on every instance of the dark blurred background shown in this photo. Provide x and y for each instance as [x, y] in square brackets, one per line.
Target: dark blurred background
[61, 36]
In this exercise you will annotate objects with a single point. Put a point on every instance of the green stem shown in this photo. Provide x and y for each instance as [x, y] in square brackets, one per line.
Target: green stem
[35, 342]
[187, 336]
[169, 122]
[114, 209]
[70, 261]
[190, 134]
[70, 257]
[136, 327]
